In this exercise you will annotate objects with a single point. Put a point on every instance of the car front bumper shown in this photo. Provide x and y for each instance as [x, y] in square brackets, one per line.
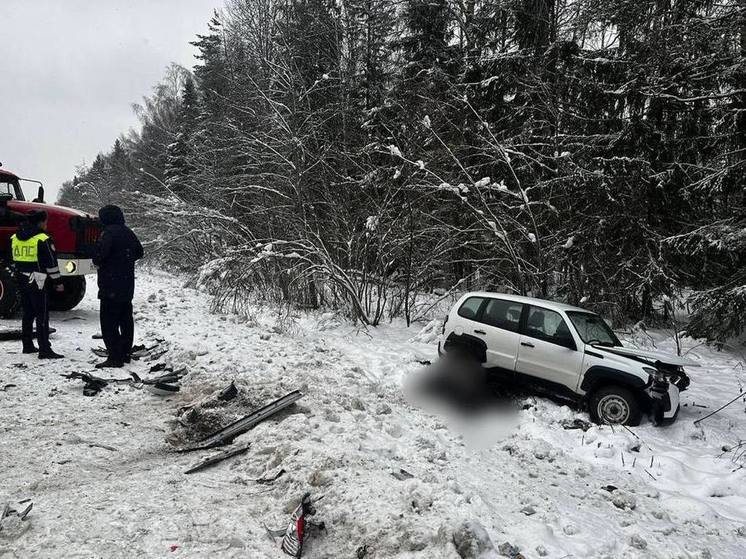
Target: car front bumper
[671, 403]
[664, 403]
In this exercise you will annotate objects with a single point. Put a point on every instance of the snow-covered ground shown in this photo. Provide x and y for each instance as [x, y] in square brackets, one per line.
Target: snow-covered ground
[106, 482]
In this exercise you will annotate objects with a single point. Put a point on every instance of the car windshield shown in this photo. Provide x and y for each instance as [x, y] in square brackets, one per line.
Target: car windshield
[593, 329]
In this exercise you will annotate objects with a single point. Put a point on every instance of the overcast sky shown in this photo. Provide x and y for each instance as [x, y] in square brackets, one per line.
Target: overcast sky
[71, 69]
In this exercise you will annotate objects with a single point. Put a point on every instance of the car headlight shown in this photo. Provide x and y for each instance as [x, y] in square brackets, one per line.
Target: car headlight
[655, 373]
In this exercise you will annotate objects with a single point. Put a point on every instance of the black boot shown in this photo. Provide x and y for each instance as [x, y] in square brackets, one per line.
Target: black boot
[30, 348]
[49, 354]
[110, 364]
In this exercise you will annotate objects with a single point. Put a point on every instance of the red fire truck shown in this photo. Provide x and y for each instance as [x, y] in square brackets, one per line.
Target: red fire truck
[74, 234]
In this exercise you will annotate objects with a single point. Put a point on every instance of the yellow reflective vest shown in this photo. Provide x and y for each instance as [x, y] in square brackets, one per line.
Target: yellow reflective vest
[27, 251]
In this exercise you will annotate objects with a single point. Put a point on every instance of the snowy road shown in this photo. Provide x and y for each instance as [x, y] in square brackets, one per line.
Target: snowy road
[106, 483]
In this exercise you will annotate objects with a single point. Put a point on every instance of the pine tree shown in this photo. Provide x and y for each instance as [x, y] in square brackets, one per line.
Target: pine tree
[368, 27]
[212, 72]
[121, 172]
[180, 168]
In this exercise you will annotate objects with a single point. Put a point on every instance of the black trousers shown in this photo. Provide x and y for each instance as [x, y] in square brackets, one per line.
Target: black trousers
[35, 303]
[117, 328]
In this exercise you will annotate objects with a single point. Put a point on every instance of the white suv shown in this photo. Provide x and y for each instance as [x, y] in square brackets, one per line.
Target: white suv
[570, 352]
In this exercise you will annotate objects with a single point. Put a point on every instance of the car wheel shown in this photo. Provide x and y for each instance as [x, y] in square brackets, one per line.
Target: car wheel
[10, 298]
[70, 297]
[615, 405]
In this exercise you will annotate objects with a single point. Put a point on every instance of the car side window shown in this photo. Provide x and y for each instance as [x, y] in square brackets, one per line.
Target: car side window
[470, 308]
[547, 325]
[502, 314]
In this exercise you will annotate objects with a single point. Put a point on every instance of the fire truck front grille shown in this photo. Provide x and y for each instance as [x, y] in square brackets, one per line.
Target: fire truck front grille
[87, 231]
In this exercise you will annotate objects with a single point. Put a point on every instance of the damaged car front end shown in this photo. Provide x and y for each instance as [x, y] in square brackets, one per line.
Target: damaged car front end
[667, 379]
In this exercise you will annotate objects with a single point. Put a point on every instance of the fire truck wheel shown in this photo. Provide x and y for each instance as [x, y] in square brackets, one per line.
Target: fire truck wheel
[10, 298]
[70, 297]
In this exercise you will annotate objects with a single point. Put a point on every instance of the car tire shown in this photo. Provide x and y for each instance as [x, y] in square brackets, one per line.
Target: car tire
[70, 297]
[614, 405]
[10, 297]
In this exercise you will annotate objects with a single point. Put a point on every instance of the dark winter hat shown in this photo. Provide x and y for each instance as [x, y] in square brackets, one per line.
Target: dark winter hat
[111, 215]
[35, 218]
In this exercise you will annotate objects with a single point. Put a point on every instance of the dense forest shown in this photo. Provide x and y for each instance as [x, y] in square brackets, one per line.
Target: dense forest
[358, 154]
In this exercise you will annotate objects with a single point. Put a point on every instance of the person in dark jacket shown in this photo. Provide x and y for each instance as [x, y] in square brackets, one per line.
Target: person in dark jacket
[115, 254]
[35, 263]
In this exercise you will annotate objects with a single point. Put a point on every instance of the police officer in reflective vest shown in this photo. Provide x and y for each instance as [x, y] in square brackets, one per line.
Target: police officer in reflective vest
[35, 266]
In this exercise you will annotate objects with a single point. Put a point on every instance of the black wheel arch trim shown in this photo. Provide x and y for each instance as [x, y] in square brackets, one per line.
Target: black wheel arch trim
[475, 345]
[598, 376]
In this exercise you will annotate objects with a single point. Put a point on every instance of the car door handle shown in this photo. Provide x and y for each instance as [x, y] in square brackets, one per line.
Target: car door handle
[526, 344]
[480, 332]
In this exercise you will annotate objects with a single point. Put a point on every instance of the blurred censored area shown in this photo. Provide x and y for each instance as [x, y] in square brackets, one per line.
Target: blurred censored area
[460, 383]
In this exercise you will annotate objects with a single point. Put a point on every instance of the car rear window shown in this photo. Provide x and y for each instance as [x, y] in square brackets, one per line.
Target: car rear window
[503, 314]
[470, 308]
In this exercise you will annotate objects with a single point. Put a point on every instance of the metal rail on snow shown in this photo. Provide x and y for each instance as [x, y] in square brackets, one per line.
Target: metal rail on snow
[230, 432]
